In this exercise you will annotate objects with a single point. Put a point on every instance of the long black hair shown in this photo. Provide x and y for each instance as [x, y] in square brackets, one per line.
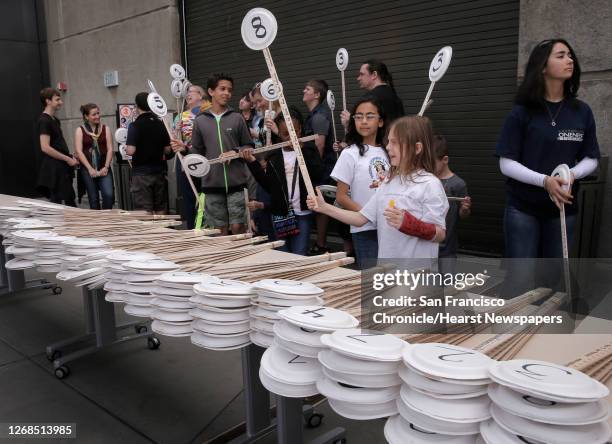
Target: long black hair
[353, 137]
[532, 89]
[381, 69]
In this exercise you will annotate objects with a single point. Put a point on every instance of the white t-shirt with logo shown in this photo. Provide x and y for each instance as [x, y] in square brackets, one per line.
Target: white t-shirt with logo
[423, 196]
[362, 174]
[289, 158]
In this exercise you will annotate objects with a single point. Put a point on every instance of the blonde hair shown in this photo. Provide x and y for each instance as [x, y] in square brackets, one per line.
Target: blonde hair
[409, 131]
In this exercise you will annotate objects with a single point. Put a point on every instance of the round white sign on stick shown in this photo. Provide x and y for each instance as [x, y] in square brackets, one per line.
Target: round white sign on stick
[258, 28]
[196, 165]
[185, 88]
[177, 71]
[157, 104]
[270, 90]
[342, 59]
[440, 63]
[121, 135]
[564, 172]
[151, 86]
[176, 88]
[123, 152]
[331, 100]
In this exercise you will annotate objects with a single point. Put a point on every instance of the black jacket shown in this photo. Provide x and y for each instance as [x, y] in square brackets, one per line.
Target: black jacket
[274, 180]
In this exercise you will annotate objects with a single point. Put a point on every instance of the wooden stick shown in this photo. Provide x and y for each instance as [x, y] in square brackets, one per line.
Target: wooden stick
[248, 211]
[343, 91]
[426, 101]
[263, 149]
[180, 158]
[285, 109]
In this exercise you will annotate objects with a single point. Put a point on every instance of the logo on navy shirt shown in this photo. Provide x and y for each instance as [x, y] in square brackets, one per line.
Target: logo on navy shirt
[570, 135]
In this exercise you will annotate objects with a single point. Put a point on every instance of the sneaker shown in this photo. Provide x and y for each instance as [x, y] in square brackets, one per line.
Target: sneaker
[316, 250]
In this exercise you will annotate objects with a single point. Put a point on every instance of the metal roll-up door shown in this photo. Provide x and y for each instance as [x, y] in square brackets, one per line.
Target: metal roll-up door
[470, 102]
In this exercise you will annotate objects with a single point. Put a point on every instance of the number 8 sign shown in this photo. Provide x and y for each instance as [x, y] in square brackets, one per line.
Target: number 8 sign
[259, 29]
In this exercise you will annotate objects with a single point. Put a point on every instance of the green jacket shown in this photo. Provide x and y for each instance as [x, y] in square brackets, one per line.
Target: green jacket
[211, 138]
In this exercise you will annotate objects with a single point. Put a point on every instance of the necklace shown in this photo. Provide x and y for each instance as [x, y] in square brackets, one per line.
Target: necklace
[553, 119]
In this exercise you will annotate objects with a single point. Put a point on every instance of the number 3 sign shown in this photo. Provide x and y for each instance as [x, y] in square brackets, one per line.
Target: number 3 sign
[259, 28]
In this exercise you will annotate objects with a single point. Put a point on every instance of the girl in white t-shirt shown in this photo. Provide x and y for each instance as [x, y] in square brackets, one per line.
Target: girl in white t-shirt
[359, 171]
[410, 206]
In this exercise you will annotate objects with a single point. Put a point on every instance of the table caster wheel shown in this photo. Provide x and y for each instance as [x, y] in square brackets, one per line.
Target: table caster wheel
[55, 355]
[153, 343]
[62, 372]
[140, 329]
[314, 420]
[57, 290]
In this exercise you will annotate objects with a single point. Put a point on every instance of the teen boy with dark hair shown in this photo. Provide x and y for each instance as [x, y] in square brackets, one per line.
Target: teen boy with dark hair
[57, 167]
[220, 131]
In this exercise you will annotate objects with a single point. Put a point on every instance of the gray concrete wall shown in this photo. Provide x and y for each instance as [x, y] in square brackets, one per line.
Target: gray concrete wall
[139, 39]
[588, 28]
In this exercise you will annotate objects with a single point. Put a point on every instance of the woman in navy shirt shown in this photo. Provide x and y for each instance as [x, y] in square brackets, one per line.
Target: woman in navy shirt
[547, 126]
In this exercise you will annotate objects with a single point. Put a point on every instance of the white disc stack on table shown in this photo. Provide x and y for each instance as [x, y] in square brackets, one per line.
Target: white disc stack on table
[51, 250]
[544, 402]
[15, 213]
[361, 373]
[400, 431]
[221, 314]
[290, 367]
[444, 393]
[77, 267]
[171, 293]
[45, 211]
[24, 247]
[116, 275]
[274, 295]
[139, 284]
[287, 374]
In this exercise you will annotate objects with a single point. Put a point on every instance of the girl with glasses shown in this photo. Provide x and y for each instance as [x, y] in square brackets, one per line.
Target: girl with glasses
[360, 169]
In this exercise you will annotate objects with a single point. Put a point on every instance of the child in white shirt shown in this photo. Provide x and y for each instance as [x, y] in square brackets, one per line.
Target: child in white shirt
[359, 171]
[410, 207]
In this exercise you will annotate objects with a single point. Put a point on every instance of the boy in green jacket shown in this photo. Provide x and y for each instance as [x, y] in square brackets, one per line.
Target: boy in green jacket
[217, 132]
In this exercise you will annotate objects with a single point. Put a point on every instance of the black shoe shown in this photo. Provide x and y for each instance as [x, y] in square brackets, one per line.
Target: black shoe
[316, 250]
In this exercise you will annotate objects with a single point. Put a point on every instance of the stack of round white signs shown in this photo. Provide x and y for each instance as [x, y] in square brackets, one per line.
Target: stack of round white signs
[360, 368]
[116, 275]
[139, 284]
[171, 295]
[49, 257]
[290, 367]
[444, 393]
[24, 247]
[13, 214]
[83, 261]
[48, 212]
[539, 401]
[274, 295]
[221, 314]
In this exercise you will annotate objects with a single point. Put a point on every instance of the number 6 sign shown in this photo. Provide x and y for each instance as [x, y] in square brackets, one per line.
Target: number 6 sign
[270, 90]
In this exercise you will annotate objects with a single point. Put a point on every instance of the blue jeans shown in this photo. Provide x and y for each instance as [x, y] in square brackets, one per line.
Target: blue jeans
[96, 186]
[365, 244]
[529, 236]
[298, 244]
[529, 239]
